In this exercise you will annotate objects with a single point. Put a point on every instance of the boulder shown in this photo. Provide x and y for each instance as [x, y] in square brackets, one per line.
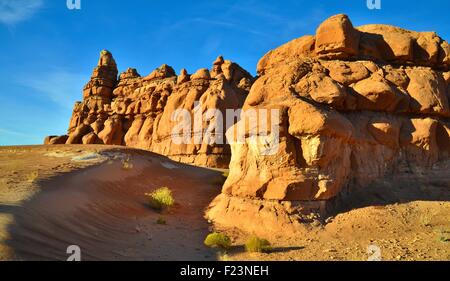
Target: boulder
[201, 74]
[130, 73]
[299, 47]
[377, 94]
[345, 72]
[322, 89]
[112, 132]
[90, 138]
[56, 139]
[336, 38]
[428, 92]
[183, 77]
[76, 136]
[164, 71]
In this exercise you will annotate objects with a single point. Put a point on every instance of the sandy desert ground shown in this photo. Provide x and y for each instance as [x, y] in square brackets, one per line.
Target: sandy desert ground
[93, 196]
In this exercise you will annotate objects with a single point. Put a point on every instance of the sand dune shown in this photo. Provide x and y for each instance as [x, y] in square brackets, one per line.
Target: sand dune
[103, 210]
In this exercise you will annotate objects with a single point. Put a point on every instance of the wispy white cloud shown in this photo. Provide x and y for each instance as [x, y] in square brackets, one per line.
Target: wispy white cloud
[59, 86]
[14, 11]
[230, 24]
[266, 15]
[12, 132]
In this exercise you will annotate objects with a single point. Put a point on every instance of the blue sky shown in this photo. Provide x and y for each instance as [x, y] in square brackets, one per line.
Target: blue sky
[47, 52]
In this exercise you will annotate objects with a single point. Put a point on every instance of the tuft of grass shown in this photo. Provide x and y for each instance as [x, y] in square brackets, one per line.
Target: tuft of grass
[224, 257]
[257, 245]
[126, 164]
[425, 220]
[161, 221]
[32, 176]
[444, 239]
[161, 198]
[220, 180]
[226, 173]
[444, 236]
[218, 240]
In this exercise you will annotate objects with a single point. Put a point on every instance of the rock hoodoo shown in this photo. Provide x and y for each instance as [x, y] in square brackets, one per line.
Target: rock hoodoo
[138, 111]
[357, 106]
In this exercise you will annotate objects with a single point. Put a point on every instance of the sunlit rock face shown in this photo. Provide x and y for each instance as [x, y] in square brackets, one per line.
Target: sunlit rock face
[140, 111]
[357, 106]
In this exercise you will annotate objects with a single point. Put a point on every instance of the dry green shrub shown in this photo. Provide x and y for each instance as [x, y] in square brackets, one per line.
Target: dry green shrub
[218, 240]
[126, 164]
[32, 177]
[257, 245]
[161, 198]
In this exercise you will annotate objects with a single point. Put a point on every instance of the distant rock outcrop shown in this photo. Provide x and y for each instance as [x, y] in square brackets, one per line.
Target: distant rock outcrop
[138, 111]
[357, 106]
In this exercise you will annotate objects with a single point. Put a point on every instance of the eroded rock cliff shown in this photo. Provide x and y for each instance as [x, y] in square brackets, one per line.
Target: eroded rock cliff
[140, 111]
[357, 106]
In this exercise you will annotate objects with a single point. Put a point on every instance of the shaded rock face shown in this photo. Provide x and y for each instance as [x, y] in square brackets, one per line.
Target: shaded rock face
[357, 106]
[139, 111]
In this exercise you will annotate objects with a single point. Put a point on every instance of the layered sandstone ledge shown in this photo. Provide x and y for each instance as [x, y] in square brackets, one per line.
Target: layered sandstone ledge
[358, 106]
[138, 111]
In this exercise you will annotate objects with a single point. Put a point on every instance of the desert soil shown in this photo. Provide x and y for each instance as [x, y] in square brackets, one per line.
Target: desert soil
[93, 196]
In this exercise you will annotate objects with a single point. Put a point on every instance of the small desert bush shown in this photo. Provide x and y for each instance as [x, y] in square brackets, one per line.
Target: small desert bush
[223, 256]
[32, 176]
[161, 221]
[444, 239]
[444, 236]
[160, 198]
[257, 245]
[226, 174]
[126, 164]
[218, 240]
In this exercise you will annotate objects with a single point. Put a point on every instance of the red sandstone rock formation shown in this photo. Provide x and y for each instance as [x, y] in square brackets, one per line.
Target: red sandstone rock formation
[137, 111]
[357, 106]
